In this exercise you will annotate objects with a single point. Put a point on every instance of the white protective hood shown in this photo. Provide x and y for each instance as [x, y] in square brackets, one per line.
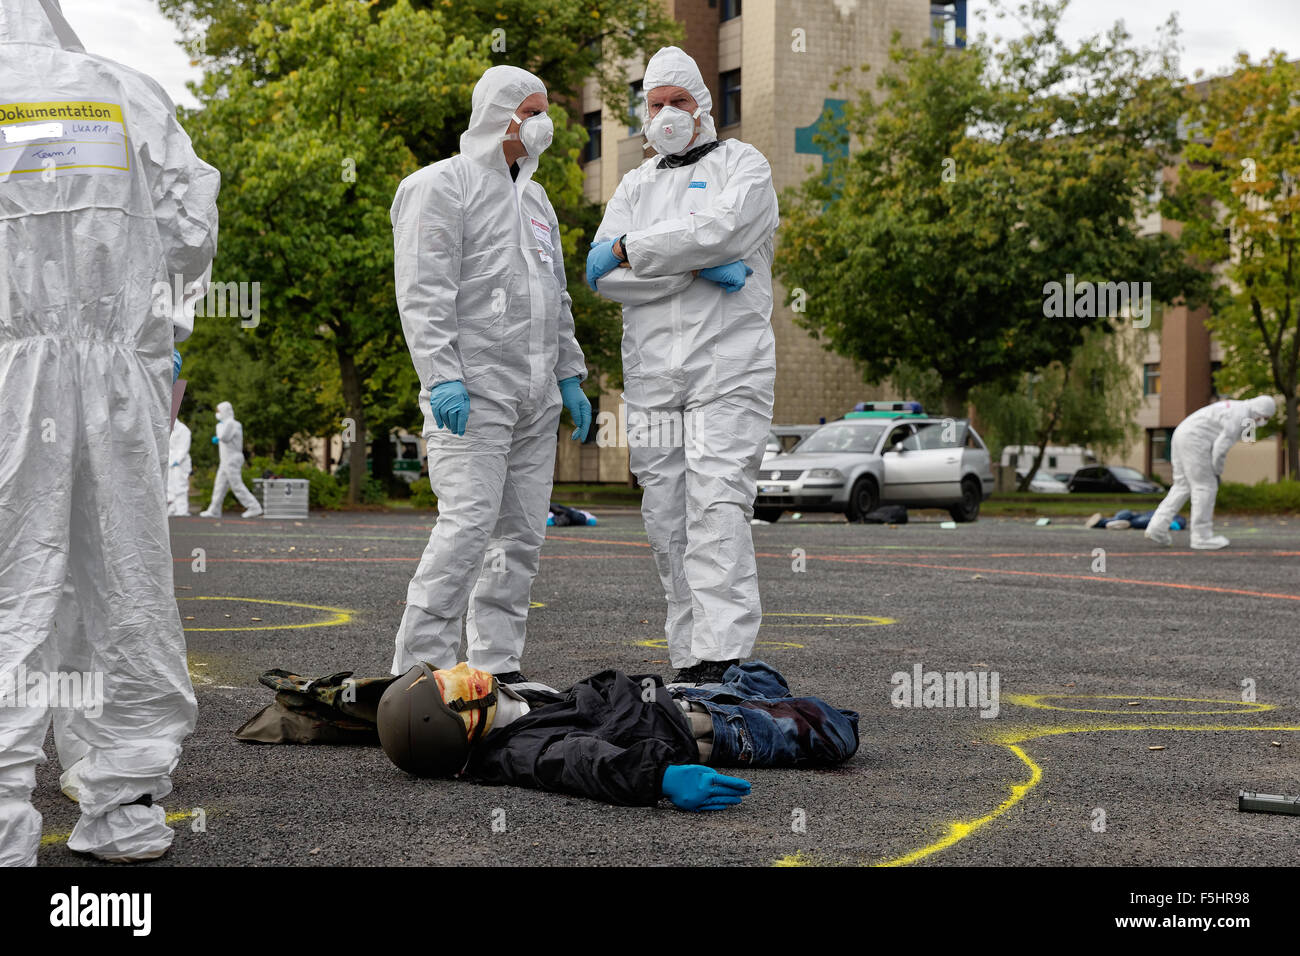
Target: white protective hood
[673, 66]
[1262, 408]
[497, 96]
[37, 21]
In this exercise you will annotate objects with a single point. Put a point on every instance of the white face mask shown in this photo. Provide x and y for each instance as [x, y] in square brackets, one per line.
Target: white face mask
[672, 130]
[536, 133]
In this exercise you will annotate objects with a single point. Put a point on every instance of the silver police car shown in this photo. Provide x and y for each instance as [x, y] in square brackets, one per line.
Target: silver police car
[880, 453]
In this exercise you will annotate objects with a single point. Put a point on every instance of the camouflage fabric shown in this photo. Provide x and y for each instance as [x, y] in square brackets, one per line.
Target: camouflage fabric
[337, 709]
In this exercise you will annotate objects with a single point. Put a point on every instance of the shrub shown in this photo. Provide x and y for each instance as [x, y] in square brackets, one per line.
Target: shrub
[1270, 497]
[422, 495]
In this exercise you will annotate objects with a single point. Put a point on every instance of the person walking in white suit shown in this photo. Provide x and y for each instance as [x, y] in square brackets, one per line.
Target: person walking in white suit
[230, 470]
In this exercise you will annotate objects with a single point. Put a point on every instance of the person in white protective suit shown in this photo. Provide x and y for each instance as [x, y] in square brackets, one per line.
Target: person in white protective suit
[178, 471]
[1198, 452]
[229, 440]
[686, 246]
[86, 370]
[484, 305]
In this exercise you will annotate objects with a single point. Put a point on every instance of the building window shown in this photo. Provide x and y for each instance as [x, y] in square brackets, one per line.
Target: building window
[729, 84]
[730, 10]
[1214, 370]
[1151, 379]
[948, 23]
[1160, 438]
[591, 152]
[634, 118]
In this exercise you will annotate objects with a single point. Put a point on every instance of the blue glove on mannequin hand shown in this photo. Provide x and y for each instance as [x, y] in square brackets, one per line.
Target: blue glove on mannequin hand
[450, 404]
[216, 440]
[600, 261]
[578, 405]
[176, 365]
[695, 787]
[731, 277]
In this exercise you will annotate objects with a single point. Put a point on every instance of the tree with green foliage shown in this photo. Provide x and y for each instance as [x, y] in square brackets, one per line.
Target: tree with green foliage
[310, 160]
[1085, 400]
[1238, 198]
[978, 176]
[314, 110]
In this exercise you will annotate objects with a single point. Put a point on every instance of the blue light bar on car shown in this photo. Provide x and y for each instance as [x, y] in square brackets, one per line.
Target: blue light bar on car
[910, 407]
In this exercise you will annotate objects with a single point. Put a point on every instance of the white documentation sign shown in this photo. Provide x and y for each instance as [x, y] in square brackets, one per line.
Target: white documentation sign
[51, 139]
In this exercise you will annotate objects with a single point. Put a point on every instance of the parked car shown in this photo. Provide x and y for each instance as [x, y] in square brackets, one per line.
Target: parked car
[785, 437]
[1113, 479]
[869, 458]
[1045, 484]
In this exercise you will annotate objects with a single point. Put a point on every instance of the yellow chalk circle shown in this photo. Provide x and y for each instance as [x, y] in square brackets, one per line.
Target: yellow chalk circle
[339, 615]
[958, 830]
[829, 620]
[1039, 701]
[662, 643]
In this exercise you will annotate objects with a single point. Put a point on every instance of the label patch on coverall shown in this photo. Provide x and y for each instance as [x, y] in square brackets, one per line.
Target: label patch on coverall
[40, 139]
[543, 233]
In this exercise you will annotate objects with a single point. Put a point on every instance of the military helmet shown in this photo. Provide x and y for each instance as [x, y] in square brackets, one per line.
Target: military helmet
[426, 735]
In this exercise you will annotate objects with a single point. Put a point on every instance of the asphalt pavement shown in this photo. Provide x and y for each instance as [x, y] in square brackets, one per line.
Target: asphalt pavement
[1138, 689]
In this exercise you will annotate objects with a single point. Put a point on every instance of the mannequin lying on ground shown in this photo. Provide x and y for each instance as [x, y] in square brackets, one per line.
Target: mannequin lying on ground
[620, 739]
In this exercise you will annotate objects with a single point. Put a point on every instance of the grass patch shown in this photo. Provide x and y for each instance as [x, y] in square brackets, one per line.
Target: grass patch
[1266, 497]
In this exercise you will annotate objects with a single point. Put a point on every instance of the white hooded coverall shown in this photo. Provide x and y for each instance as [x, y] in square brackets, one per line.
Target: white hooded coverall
[178, 470]
[702, 359]
[1198, 453]
[85, 388]
[483, 299]
[230, 466]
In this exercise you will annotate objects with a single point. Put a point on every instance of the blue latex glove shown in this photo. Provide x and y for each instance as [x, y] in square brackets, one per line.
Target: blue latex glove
[176, 365]
[578, 405]
[600, 261]
[731, 277]
[694, 787]
[450, 403]
[215, 440]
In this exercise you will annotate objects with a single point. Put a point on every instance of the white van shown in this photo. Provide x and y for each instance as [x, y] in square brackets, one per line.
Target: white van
[1057, 459]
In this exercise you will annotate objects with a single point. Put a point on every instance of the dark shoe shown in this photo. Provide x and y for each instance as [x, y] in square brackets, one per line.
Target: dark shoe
[511, 677]
[687, 675]
[711, 672]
